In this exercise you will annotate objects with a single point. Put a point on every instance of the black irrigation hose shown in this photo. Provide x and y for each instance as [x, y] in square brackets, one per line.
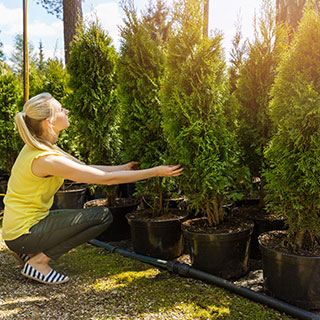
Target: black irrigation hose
[185, 270]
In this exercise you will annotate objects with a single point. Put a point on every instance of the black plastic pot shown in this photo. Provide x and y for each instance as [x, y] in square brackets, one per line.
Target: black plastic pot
[247, 202]
[71, 199]
[225, 254]
[161, 239]
[119, 229]
[292, 278]
[260, 226]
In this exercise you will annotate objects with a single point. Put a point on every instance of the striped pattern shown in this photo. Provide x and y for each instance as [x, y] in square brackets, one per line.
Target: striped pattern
[23, 257]
[52, 278]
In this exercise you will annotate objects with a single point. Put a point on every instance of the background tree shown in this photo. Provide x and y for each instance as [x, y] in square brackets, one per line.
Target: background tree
[93, 98]
[194, 96]
[293, 184]
[2, 56]
[141, 68]
[70, 11]
[254, 83]
[10, 142]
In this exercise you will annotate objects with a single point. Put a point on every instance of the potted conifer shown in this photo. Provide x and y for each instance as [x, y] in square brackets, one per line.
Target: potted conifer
[155, 231]
[256, 77]
[199, 130]
[94, 114]
[291, 259]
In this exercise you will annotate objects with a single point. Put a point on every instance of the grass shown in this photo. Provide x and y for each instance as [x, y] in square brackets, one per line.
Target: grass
[106, 285]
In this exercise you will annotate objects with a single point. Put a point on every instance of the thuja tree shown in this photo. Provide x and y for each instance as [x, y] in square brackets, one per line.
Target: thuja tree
[194, 96]
[93, 98]
[256, 77]
[141, 67]
[293, 185]
[10, 91]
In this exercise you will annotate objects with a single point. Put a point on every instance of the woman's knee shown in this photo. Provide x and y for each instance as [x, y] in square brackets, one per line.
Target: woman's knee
[103, 215]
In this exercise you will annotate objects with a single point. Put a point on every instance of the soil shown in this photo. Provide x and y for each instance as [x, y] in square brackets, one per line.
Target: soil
[254, 212]
[118, 202]
[277, 240]
[201, 225]
[147, 215]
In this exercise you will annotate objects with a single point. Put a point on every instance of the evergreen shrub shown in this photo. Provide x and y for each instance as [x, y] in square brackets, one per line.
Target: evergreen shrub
[293, 185]
[256, 77]
[141, 68]
[93, 100]
[195, 96]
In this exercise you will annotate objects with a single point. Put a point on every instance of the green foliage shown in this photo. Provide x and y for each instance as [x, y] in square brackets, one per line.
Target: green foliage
[56, 83]
[36, 76]
[256, 77]
[141, 68]
[9, 136]
[293, 185]
[93, 101]
[194, 97]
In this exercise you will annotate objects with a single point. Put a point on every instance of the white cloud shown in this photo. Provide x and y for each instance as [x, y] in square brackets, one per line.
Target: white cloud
[110, 18]
[42, 30]
[9, 16]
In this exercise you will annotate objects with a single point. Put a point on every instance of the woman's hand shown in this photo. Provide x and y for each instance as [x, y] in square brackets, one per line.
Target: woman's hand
[169, 171]
[133, 165]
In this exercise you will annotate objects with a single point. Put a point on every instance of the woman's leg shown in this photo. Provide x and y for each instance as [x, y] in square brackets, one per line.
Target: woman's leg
[62, 230]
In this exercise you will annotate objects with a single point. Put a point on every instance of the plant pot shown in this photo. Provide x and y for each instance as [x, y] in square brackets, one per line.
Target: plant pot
[262, 225]
[222, 254]
[119, 229]
[161, 239]
[73, 197]
[289, 277]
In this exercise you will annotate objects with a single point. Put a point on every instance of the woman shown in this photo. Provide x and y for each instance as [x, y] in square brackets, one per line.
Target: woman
[30, 229]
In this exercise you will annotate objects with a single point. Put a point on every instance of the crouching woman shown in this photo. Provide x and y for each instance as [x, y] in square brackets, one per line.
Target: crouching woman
[31, 230]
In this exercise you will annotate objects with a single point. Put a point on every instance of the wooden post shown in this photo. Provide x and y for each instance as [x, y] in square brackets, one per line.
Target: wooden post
[25, 53]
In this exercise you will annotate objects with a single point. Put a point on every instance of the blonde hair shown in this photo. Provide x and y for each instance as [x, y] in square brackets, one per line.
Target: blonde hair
[29, 120]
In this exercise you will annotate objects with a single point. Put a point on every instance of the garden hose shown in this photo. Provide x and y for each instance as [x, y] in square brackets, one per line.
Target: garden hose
[185, 271]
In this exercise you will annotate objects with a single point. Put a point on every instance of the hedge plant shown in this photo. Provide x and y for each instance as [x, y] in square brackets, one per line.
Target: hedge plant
[141, 68]
[93, 99]
[293, 185]
[10, 142]
[256, 77]
[195, 96]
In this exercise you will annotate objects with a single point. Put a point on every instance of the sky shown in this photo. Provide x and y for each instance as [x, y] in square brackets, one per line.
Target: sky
[48, 29]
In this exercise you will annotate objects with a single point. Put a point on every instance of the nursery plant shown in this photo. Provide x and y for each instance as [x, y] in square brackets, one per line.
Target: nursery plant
[256, 77]
[93, 100]
[140, 69]
[292, 188]
[194, 98]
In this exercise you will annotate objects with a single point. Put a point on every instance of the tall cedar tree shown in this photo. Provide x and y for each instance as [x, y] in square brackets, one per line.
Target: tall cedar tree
[255, 80]
[293, 185]
[93, 100]
[141, 67]
[194, 96]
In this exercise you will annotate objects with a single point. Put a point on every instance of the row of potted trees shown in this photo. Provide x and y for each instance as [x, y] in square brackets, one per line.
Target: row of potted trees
[176, 106]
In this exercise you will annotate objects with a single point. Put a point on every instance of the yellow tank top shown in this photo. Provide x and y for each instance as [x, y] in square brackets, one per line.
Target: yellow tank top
[28, 197]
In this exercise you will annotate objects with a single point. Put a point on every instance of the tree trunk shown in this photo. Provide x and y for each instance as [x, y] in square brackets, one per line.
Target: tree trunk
[72, 11]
